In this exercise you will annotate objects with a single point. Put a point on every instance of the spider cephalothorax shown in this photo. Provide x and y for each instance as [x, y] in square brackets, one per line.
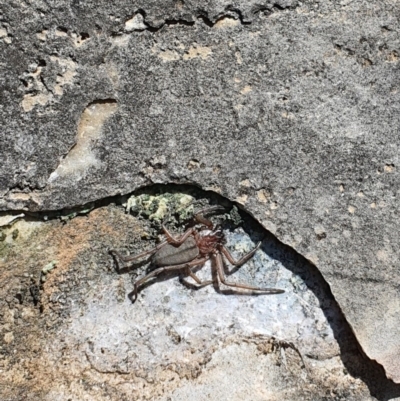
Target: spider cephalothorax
[194, 248]
[209, 241]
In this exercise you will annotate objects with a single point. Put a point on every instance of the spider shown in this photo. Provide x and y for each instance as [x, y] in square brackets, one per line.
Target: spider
[193, 248]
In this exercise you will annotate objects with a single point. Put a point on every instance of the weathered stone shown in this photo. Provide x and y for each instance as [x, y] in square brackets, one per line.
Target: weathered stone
[288, 108]
[174, 339]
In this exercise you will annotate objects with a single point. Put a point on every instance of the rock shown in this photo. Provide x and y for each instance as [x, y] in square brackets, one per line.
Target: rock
[8, 337]
[174, 339]
[288, 108]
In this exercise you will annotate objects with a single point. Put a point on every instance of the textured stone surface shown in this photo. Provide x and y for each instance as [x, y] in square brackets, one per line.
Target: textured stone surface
[289, 108]
[70, 331]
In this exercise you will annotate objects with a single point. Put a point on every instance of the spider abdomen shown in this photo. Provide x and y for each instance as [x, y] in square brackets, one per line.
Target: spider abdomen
[174, 255]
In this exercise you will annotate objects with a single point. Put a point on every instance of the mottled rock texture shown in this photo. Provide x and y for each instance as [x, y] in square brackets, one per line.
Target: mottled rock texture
[289, 108]
[70, 331]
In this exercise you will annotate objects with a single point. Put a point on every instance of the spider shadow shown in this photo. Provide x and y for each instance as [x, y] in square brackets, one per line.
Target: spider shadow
[127, 267]
[217, 285]
[165, 276]
[157, 279]
[122, 268]
[353, 357]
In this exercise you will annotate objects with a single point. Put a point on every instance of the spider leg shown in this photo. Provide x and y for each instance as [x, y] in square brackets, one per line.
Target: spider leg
[221, 275]
[160, 270]
[199, 218]
[177, 241]
[196, 279]
[202, 220]
[209, 209]
[241, 261]
[130, 258]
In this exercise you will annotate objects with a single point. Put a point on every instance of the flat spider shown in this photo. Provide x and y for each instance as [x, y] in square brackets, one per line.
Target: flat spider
[194, 248]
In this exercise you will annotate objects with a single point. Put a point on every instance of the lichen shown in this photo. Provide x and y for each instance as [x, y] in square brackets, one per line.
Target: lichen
[70, 216]
[235, 217]
[159, 208]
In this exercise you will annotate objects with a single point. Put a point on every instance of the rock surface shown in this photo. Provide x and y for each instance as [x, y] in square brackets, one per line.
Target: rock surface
[70, 330]
[288, 108]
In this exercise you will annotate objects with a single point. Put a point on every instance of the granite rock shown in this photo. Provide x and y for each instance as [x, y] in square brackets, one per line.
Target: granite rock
[288, 108]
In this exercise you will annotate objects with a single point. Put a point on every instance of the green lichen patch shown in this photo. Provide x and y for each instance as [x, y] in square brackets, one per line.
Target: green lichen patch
[74, 213]
[235, 217]
[47, 269]
[159, 208]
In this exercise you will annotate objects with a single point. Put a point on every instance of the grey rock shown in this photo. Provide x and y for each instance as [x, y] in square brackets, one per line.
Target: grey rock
[175, 339]
[288, 108]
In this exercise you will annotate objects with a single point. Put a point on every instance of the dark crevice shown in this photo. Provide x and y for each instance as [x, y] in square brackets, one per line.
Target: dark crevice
[202, 15]
[24, 82]
[101, 101]
[22, 187]
[269, 9]
[238, 13]
[42, 80]
[171, 22]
